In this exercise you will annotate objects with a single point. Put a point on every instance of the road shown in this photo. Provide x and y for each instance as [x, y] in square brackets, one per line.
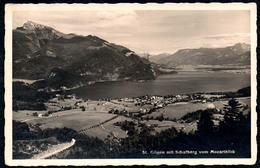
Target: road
[54, 150]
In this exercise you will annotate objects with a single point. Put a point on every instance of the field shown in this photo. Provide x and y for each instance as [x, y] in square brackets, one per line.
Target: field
[163, 125]
[177, 110]
[108, 129]
[244, 101]
[25, 115]
[75, 119]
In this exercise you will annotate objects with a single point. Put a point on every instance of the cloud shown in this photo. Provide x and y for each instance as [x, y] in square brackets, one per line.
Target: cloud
[109, 15]
[110, 19]
[227, 36]
[151, 30]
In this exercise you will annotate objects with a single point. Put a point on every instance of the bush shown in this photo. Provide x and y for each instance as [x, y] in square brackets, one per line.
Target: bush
[67, 108]
[83, 108]
[35, 114]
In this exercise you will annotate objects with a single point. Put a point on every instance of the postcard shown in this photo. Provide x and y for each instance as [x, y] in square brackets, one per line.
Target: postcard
[130, 84]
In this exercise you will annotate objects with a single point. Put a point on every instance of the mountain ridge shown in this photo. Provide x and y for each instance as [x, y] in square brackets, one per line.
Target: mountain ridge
[238, 54]
[39, 51]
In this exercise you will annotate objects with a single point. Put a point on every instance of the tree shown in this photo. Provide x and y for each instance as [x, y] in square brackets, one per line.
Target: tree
[83, 108]
[233, 117]
[20, 130]
[160, 118]
[35, 114]
[235, 128]
[205, 124]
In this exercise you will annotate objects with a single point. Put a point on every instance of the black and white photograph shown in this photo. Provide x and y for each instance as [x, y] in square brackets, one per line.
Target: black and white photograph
[162, 83]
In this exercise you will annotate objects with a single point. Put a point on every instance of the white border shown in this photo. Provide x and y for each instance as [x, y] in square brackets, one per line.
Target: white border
[9, 8]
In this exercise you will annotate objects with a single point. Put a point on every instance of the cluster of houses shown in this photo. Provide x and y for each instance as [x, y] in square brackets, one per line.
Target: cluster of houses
[62, 96]
[56, 107]
[143, 105]
[148, 104]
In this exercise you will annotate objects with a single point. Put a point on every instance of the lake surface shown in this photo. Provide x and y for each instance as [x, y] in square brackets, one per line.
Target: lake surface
[181, 83]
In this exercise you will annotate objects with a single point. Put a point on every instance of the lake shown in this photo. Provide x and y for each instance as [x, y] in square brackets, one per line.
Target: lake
[181, 83]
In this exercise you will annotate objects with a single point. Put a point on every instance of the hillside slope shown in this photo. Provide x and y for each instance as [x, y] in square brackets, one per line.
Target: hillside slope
[41, 52]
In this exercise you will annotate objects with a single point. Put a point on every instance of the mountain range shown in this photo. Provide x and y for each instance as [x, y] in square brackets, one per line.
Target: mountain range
[70, 60]
[238, 54]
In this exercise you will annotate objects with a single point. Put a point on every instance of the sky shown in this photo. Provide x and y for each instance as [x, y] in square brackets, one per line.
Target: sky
[150, 31]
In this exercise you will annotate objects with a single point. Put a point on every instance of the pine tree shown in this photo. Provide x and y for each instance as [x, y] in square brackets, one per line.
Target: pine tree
[233, 117]
[205, 124]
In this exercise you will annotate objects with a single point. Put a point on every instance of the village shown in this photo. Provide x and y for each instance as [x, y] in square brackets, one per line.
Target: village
[127, 106]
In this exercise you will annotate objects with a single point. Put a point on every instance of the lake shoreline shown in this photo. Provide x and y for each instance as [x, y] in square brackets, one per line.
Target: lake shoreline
[181, 83]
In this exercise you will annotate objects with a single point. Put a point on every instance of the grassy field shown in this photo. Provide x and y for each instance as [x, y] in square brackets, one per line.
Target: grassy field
[97, 132]
[177, 110]
[24, 115]
[163, 125]
[108, 129]
[75, 119]
[243, 101]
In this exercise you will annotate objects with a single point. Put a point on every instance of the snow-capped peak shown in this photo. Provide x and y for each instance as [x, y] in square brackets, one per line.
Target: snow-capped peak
[33, 25]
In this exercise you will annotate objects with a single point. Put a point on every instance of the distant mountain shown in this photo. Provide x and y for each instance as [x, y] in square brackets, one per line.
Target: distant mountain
[238, 54]
[156, 58]
[41, 52]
